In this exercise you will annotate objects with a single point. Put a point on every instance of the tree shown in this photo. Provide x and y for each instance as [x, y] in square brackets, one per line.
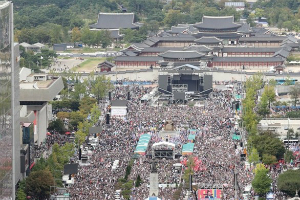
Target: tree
[38, 184]
[261, 182]
[95, 114]
[21, 195]
[289, 181]
[86, 104]
[76, 35]
[153, 26]
[254, 156]
[294, 93]
[100, 87]
[263, 108]
[173, 17]
[106, 39]
[87, 36]
[268, 143]
[269, 159]
[270, 93]
[75, 118]
[288, 156]
[57, 126]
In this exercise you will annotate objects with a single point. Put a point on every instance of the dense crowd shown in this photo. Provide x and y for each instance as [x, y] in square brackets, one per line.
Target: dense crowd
[217, 152]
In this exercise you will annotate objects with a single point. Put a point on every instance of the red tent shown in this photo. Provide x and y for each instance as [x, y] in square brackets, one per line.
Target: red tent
[68, 133]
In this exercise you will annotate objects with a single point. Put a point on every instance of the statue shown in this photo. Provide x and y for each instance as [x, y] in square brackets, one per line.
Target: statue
[169, 125]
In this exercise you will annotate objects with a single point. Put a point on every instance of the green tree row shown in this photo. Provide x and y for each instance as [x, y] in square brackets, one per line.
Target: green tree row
[46, 173]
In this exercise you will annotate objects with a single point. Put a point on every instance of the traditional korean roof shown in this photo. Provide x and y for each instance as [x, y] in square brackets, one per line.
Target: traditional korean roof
[291, 45]
[115, 21]
[290, 39]
[208, 40]
[198, 48]
[260, 30]
[115, 34]
[245, 28]
[138, 58]
[262, 39]
[160, 49]
[220, 35]
[130, 53]
[180, 28]
[282, 52]
[178, 38]
[176, 29]
[247, 59]
[249, 49]
[181, 54]
[217, 23]
[287, 47]
[106, 63]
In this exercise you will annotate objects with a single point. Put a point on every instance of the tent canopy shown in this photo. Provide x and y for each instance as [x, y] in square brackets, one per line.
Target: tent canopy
[191, 137]
[189, 147]
[236, 137]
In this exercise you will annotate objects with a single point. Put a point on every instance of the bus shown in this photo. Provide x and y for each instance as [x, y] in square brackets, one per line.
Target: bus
[283, 81]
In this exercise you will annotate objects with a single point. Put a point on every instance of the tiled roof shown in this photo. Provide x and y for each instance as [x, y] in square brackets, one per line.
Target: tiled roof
[282, 52]
[181, 54]
[218, 35]
[209, 22]
[208, 40]
[199, 48]
[160, 49]
[115, 33]
[115, 21]
[245, 28]
[249, 49]
[109, 64]
[247, 59]
[263, 39]
[138, 58]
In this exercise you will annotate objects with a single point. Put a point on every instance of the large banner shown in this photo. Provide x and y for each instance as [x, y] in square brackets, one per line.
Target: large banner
[204, 194]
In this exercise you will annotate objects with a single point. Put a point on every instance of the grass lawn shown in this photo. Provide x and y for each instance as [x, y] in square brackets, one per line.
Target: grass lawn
[89, 65]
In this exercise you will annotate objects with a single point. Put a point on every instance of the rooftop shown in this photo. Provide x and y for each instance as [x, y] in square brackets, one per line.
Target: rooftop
[181, 54]
[263, 39]
[208, 40]
[247, 59]
[138, 58]
[217, 23]
[115, 21]
[249, 49]
[41, 91]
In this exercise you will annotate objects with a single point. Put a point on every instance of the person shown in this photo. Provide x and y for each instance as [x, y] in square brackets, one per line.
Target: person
[209, 195]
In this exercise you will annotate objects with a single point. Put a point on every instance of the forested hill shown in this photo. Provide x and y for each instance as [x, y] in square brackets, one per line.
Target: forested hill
[63, 15]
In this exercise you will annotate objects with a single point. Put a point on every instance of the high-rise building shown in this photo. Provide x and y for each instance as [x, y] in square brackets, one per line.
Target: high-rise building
[9, 106]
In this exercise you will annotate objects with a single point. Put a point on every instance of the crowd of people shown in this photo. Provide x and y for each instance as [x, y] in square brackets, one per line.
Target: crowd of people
[214, 148]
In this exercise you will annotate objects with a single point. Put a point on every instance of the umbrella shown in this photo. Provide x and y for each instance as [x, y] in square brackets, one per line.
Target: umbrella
[68, 133]
[48, 133]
